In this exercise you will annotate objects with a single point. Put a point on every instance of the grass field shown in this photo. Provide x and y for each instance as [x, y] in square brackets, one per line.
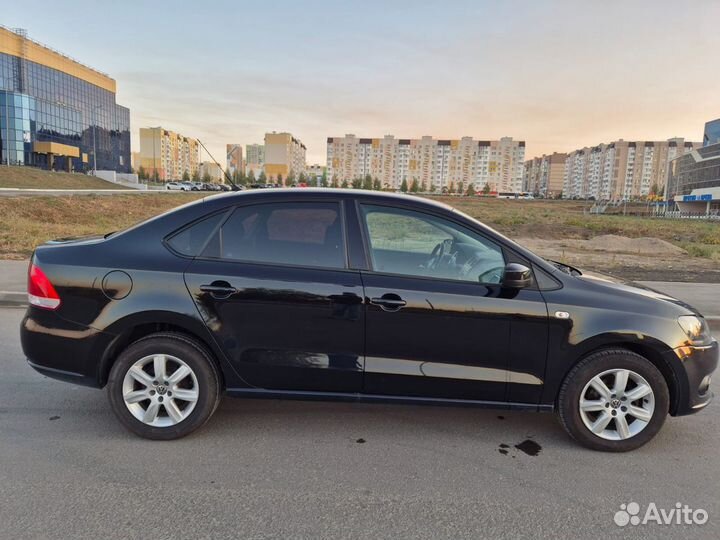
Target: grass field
[551, 219]
[29, 221]
[32, 178]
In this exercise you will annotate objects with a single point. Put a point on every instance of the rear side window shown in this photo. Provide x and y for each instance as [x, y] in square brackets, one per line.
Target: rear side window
[191, 240]
[300, 234]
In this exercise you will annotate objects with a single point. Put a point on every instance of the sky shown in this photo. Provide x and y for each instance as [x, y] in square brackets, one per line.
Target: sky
[558, 75]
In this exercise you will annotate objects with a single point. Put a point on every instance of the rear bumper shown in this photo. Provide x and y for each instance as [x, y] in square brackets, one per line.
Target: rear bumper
[696, 363]
[61, 349]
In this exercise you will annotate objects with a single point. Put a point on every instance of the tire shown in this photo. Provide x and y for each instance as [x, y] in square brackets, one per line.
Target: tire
[147, 406]
[621, 423]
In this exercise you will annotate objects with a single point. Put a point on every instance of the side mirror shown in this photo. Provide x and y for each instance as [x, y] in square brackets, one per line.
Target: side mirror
[516, 276]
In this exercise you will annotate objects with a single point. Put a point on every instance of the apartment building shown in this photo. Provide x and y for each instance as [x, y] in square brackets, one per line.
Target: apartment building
[622, 169]
[168, 154]
[234, 159]
[435, 163]
[545, 175]
[283, 154]
[211, 170]
[254, 158]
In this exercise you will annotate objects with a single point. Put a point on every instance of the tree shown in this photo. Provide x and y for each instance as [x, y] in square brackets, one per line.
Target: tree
[334, 182]
[377, 186]
[357, 183]
[451, 188]
[486, 189]
[196, 175]
[324, 180]
[344, 184]
[302, 178]
[414, 187]
[461, 188]
[290, 178]
[156, 176]
[186, 176]
[142, 175]
[470, 190]
[423, 187]
[206, 177]
[433, 188]
[262, 178]
[279, 179]
[367, 182]
[251, 177]
[404, 186]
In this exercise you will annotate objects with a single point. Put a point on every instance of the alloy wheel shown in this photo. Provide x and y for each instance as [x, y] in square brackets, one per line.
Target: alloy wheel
[617, 404]
[160, 390]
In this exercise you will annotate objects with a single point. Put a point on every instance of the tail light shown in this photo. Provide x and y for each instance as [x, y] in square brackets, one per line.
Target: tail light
[41, 292]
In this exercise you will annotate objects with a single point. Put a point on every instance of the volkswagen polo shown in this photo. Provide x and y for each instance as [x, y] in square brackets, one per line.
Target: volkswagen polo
[357, 296]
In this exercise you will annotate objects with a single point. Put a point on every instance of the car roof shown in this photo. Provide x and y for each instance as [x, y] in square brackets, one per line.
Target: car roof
[332, 192]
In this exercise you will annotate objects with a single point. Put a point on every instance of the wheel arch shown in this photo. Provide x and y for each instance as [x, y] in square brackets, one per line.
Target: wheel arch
[651, 349]
[134, 327]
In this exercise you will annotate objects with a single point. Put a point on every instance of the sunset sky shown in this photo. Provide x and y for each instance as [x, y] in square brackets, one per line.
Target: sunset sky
[559, 75]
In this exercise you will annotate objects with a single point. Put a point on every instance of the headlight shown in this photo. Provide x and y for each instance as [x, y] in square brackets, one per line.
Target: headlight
[695, 328]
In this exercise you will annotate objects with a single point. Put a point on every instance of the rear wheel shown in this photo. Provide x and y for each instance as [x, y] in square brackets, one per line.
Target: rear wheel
[613, 400]
[163, 386]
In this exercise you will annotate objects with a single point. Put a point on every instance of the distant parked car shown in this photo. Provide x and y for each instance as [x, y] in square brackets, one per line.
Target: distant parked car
[187, 186]
[173, 186]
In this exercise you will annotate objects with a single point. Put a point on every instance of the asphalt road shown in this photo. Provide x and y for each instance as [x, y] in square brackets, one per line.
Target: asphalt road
[264, 469]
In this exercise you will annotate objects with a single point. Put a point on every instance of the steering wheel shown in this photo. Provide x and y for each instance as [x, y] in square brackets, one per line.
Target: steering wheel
[438, 253]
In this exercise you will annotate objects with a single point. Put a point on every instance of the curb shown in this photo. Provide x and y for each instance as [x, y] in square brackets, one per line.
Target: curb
[13, 299]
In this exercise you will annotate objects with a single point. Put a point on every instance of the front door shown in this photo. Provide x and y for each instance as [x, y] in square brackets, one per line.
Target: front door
[274, 289]
[438, 322]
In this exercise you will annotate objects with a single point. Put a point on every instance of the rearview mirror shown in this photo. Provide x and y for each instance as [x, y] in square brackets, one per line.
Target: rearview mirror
[516, 276]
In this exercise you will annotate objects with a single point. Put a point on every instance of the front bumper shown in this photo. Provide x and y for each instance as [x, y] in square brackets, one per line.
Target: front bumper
[61, 349]
[695, 364]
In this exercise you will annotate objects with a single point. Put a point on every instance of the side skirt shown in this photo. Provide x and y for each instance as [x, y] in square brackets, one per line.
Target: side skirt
[261, 393]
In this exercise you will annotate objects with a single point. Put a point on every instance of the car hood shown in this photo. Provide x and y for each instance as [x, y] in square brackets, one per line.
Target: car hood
[630, 287]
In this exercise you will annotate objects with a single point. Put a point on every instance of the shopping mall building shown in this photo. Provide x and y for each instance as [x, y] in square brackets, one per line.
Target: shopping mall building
[694, 179]
[56, 113]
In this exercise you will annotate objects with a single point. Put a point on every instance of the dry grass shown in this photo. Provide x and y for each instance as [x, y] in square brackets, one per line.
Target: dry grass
[32, 178]
[29, 221]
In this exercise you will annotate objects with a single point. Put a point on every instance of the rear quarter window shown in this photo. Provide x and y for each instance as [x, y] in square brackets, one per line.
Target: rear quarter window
[191, 240]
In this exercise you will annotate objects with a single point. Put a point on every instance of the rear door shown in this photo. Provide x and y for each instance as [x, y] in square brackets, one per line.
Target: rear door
[274, 288]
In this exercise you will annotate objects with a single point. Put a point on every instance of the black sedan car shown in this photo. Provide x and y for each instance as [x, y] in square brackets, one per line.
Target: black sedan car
[357, 296]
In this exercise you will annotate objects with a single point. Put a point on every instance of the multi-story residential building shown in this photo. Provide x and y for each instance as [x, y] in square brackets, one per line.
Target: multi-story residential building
[254, 158]
[234, 163]
[545, 175]
[168, 155]
[434, 163]
[283, 154]
[211, 170]
[56, 113]
[313, 172]
[622, 169]
[712, 132]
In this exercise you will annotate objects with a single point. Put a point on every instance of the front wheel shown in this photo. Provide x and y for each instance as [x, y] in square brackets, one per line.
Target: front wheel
[163, 386]
[613, 400]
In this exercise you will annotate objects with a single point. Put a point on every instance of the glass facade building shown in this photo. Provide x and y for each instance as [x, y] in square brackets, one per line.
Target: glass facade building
[690, 172]
[712, 132]
[57, 118]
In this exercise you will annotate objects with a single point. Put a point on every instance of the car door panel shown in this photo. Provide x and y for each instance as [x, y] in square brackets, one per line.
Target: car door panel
[285, 328]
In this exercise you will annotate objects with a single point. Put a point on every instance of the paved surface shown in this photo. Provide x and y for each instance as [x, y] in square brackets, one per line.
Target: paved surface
[704, 296]
[291, 469]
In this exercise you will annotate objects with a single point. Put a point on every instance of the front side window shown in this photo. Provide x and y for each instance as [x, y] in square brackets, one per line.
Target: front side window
[299, 234]
[416, 244]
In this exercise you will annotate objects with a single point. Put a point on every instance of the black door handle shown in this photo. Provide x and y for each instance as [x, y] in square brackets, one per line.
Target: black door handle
[389, 302]
[219, 289]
